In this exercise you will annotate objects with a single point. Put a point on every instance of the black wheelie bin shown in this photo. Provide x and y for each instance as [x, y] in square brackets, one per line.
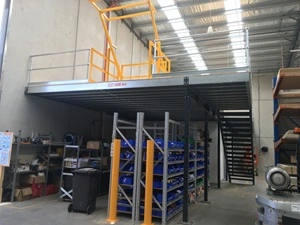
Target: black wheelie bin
[85, 188]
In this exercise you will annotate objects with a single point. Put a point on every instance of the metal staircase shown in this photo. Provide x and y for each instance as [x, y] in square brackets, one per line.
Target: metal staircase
[236, 127]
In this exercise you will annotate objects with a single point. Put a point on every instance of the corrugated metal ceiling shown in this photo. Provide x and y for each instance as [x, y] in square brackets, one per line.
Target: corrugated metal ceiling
[273, 28]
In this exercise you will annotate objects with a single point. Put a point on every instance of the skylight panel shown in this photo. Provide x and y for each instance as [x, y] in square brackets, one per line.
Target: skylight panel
[234, 19]
[165, 3]
[178, 26]
[173, 14]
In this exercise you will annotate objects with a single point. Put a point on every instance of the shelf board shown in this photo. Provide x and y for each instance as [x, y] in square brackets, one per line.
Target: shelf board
[29, 171]
[26, 172]
[198, 177]
[126, 185]
[174, 175]
[292, 109]
[175, 187]
[126, 159]
[287, 78]
[121, 211]
[174, 213]
[175, 200]
[175, 162]
[129, 172]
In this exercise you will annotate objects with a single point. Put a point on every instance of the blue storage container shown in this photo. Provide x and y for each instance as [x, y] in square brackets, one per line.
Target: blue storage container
[157, 184]
[125, 145]
[158, 169]
[159, 142]
[126, 180]
[159, 197]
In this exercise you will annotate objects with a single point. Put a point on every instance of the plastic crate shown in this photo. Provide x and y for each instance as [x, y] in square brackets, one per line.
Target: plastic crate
[126, 180]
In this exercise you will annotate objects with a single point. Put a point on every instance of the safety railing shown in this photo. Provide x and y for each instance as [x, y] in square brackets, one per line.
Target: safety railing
[59, 66]
[101, 67]
[162, 65]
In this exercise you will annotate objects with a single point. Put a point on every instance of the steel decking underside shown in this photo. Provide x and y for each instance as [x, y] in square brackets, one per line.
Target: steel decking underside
[219, 92]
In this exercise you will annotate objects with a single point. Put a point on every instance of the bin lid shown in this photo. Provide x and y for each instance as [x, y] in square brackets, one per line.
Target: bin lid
[86, 170]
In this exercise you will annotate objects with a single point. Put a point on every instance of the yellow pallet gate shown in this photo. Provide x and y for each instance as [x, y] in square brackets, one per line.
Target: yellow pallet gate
[158, 64]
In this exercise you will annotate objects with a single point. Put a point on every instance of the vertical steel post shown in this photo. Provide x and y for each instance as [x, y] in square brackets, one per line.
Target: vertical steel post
[138, 167]
[298, 165]
[154, 58]
[113, 198]
[136, 180]
[252, 147]
[47, 168]
[185, 214]
[88, 66]
[149, 183]
[16, 167]
[29, 69]
[165, 170]
[248, 49]
[76, 39]
[206, 158]
[219, 152]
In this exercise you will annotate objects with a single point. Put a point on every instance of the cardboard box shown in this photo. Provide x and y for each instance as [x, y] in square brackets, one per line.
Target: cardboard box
[293, 159]
[93, 145]
[22, 194]
[290, 169]
[33, 179]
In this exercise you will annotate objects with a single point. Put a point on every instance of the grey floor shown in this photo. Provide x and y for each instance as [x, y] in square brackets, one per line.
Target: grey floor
[234, 204]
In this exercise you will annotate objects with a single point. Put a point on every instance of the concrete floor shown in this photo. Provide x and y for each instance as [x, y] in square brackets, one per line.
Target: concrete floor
[234, 204]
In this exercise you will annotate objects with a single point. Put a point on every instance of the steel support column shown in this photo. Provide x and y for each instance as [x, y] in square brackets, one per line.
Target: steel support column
[298, 165]
[219, 152]
[185, 215]
[206, 158]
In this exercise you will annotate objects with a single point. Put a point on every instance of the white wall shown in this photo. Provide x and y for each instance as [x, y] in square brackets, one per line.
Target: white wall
[50, 26]
[262, 104]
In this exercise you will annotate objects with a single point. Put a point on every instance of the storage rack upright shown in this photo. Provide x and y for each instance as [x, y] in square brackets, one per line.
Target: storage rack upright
[127, 189]
[65, 190]
[168, 170]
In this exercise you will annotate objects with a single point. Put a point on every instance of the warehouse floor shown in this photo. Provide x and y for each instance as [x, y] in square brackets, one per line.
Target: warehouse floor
[234, 204]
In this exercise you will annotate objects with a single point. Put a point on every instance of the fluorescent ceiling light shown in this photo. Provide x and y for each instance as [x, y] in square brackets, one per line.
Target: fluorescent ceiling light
[175, 19]
[173, 14]
[237, 39]
[189, 45]
[178, 26]
[232, 4]
[164, 3]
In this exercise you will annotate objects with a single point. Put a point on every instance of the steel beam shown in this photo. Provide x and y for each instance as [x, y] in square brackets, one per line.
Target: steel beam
[219, 12]
[185, 214]
[296, 45]
[206, 157]
[219, 152]
[253, 31]
[130, 26]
